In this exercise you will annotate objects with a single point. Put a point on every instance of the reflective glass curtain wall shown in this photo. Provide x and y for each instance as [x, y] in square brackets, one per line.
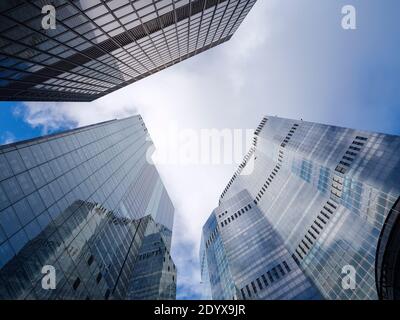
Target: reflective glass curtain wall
[82, 201]
[100, 46]
[330, 196]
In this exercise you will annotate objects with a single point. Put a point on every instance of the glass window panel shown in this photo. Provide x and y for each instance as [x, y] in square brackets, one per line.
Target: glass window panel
[47, 196]
[3, 235]
[9, 221]
[15, 161]
[36, 203]
[47, 173]
[5, 169]
[26, 183]
[33, 229]
[12, 189]
[4, 202]
[18, 241]
[27, 157]
[44, 220]
[23, 211]
[37, 177]
[6, 253]
[37, 154]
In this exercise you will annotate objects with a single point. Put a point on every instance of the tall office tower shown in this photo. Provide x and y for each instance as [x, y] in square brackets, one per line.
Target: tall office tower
[154, 269]
[315, 215]
[79, 209]
[98, 46]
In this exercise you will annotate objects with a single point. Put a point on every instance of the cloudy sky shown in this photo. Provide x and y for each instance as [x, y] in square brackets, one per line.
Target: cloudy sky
[289, 58]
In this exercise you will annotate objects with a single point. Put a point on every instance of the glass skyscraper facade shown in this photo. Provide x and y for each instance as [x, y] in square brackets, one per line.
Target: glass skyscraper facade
[88, 203]
[99, 46]
[315, 217]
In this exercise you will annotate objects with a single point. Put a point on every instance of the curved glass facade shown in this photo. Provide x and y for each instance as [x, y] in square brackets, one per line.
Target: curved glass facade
[326, 192]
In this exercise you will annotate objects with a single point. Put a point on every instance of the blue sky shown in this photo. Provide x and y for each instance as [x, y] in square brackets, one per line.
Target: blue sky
[289, 58]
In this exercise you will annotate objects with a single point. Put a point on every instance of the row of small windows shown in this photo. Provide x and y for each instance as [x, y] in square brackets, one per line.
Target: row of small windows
[267, 183]
[262, 282]
[277, 167]
[314, 231]
[235, 215]
[261, 126]
[289, 135]
[348, 158]
[239, 170]
[280, 156]
[149, 254]
[337, 186]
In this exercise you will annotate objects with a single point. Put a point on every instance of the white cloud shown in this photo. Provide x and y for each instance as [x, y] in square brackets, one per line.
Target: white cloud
[7, 137]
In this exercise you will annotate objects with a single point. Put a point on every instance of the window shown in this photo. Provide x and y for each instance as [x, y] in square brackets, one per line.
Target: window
[345, 163]
[315, 229]
[286, 266]
[327, 209]
[351, 153]
[305, 244]
[243, 295]
[248, 290]
[340, 169]
[270, 276]
[275, 273]
[107, 295]
[264, 280]
[9, 221]
[98, 278]
[361, 138]
[325, 215]
[281, 269]
[254, 287]
[76, 283]
[322, 220]
[26, 183]
[312, 234]
[12, 189]
[354, 148]
[318, 224]
[15, 161]
[331, 204]
[23, 211]
[259, 283]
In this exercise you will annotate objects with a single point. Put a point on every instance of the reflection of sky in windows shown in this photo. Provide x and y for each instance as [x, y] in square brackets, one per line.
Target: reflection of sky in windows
[105, 45]
[68, 196]
[328, 219]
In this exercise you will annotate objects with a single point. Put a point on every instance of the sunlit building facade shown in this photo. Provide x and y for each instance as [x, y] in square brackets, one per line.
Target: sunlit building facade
[84, 202]
[98, 46]
[320, 205]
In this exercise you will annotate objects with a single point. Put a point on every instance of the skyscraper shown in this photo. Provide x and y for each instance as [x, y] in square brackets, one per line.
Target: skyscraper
[97, 47]
[317, 217]
[87, 203]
